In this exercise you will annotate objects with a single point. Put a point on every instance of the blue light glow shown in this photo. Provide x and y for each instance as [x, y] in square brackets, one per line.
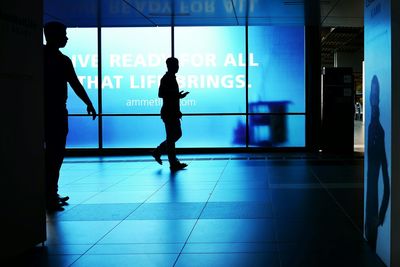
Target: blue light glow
[212, 69]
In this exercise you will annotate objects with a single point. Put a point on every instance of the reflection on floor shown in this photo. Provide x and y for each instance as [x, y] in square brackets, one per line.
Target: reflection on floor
[224, 210]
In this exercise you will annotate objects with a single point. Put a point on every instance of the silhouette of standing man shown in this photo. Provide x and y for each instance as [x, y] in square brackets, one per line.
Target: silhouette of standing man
[58, 71]
[375, 215]
[171, 115]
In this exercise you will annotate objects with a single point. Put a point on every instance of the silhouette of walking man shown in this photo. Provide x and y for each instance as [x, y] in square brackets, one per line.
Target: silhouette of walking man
[58, 71]
[375, 215]
[171, 115]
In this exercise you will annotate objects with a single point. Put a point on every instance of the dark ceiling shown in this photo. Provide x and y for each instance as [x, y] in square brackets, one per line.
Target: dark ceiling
[153, 13]
[341, 21]
[340, 39]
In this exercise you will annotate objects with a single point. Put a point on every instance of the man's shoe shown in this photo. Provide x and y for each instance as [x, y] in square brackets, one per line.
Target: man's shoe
[63, 203]
[63, 199]
[178, 166]
[157, 156]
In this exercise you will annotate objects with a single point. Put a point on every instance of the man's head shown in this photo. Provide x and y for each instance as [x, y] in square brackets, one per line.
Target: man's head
[55, 34]
[374, 95]
[374, 99]
[172, 64]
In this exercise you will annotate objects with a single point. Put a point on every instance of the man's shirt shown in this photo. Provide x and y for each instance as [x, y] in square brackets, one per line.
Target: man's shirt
[169, 92]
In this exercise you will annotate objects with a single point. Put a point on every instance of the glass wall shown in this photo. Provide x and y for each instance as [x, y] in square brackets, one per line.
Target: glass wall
[82, 50]
[133, 61]
[212, 68]
[276, 92]
[246, 86]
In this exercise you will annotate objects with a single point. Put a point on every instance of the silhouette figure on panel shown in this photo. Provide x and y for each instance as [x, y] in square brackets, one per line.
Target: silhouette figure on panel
[375, 215]
[171, 115]
[58, 71]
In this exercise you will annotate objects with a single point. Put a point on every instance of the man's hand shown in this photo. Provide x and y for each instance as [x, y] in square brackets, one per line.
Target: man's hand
[182, 94]
[91, 111]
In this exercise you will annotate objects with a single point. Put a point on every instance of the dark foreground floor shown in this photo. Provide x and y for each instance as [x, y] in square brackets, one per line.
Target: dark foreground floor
[281, 210]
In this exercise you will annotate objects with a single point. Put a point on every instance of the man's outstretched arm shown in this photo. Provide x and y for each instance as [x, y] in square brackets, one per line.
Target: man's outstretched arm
[80, 92]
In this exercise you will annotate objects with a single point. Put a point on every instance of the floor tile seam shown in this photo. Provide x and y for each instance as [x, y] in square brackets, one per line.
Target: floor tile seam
[316, 185]
[136, 243]
[274, 243]
[96, 194]
[149, 197]
[107, 161]
[150, 159]
[172, 243]
[97, 242]
[78, 179]
[137, 171]
[176, 253]
[230, 253]
[274, 225]
[201, 212]
[89, 175]
[278, 242]
[106, 175]
[215, 156]
[270, 188]
[86, 199]
[122, 180]
[81, 255]
[102, 237]
[340, 206]
[60, 218]
[133, 253]
[339, 242]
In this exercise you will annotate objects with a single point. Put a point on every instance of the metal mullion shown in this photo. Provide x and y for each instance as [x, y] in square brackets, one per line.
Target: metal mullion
[173, 29]
[99, 78]
[247, 85]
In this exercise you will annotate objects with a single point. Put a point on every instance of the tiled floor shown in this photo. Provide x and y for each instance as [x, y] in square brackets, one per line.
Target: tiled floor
[283, 210]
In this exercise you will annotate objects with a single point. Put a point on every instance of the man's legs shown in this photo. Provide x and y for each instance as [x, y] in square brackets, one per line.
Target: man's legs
[158, 151]
[56, 136]
[173, 132]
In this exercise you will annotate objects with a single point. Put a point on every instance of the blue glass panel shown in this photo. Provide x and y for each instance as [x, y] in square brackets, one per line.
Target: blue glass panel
[278, 73]
[213, 131]
[149, 131]
[82, 50]
[132, 132]
[83, 132]
[274, 12]
[133, 61]
[212, 68]
[277, 130]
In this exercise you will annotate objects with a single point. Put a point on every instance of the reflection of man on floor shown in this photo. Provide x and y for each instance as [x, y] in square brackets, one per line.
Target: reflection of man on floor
[171, 115]
[58, 71]
[375, 215]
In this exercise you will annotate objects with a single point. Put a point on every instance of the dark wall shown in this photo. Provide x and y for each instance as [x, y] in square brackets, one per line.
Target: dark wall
[312, 18]
[23, 221]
